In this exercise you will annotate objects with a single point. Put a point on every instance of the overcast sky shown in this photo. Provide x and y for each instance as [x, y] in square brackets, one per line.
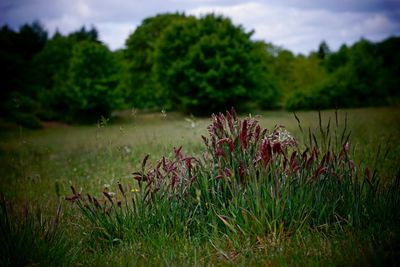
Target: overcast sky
[298, 25]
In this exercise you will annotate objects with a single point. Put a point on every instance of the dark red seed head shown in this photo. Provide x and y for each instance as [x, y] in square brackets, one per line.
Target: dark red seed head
[234, 115]
[243, 135]
[277, 147]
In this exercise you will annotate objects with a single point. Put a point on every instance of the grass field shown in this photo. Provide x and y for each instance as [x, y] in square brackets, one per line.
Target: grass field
[38, 167]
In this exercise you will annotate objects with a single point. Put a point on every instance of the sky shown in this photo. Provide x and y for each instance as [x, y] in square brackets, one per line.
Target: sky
[297, 25]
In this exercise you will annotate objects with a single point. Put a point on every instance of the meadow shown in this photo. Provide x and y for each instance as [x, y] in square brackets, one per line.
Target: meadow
[38, 168]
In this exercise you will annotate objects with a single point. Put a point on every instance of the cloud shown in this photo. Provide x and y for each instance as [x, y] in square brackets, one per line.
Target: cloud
[294, 24]
[301, 30]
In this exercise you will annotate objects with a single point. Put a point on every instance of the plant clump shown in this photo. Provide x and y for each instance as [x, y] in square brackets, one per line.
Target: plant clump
[30, 239]
[248, 181]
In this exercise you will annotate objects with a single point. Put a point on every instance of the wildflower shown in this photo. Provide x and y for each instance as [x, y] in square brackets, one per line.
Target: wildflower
[293, 162]
[227, 172]
[227, 141]
[345, 150]
[265, 151]
[346, 147]
[277, 148]
[73, 198]
[243, 135]
[257, 133]
[144, 161]
[220, 153]
[231, 145]
[134, 190]
[309, 161]
[230, 122]
[178, 152]
[233, 113]
[281, 135]
[321, 170]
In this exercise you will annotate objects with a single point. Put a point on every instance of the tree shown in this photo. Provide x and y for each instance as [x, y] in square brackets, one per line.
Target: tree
[306, 72]
[16, 52]
[362, 75]
[337, 60]
[92, 82]
[142, 89]
[207, 64]
[390, 78]
[51, 72]
[281, 64]
[266, 93]
[85, 35]
[323, 50]
[17, 95]
[12, 63]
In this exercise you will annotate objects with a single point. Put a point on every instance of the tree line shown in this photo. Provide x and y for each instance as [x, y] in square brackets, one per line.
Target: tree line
[177, 62]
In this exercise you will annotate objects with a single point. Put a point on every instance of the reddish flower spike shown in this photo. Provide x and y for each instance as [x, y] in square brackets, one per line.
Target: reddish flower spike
[243, 135]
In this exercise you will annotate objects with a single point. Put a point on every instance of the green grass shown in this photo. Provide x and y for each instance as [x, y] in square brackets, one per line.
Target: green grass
[38, 168]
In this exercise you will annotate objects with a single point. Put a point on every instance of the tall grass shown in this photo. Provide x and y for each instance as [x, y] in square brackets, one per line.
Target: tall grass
[28, 238]
[220, 213]
[250, 183]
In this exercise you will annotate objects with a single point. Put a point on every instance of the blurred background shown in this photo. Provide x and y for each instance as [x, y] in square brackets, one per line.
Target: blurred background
[80, 61]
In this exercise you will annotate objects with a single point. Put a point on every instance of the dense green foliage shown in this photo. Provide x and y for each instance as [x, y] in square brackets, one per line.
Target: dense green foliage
[16, 53]
[365, 74]
[69, 78]
[52, 71]
[193, 64]
[91, 81]
[141, 86]
[208, 64]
